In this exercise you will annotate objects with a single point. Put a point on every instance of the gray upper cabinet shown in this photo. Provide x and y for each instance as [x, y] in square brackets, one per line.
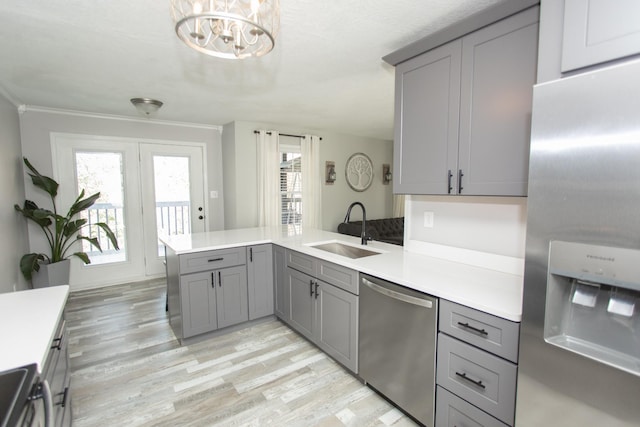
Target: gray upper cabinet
[498, 74]
[463, 112]
[260, 280]
[426, 120]
[597, 31]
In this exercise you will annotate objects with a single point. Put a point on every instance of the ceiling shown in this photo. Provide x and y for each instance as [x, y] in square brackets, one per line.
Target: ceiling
[324, 74]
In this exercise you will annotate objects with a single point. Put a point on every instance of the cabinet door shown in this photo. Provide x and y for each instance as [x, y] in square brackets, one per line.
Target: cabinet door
[231, 296]
[260, 280]
[337, 324]
[280, 287]
[302, 308]
[198, 299]
[498, 73]
[596, 31]
[426, 121]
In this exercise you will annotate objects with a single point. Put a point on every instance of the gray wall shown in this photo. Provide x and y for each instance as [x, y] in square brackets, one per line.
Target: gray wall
[38, 124]
[12, 226]
[240, 181]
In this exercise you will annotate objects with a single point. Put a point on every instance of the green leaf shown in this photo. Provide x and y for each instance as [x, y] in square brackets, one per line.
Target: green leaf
[73, 227]
[35, 214]
[93, 240]
[110, 235]
[83, 256]
[29, 264]
[83, 204]
[44, 182]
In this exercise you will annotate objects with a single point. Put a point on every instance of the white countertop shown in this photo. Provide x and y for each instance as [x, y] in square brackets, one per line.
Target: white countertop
[28, 321]
[490, 291]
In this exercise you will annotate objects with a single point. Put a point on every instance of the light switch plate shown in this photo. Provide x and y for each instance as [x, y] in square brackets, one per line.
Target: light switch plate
[428, 219]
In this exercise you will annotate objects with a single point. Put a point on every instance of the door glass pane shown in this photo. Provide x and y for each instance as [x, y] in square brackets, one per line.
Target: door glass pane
[172, 193]
[102, 172]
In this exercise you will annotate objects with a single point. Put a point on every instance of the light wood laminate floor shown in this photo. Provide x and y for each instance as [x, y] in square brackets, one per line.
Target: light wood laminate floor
[127, 369]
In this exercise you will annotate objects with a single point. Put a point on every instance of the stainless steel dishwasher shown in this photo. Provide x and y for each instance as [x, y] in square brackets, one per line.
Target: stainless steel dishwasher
[397, 345]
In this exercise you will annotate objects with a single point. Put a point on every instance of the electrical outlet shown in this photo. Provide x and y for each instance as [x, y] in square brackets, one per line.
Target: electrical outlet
[428, 219]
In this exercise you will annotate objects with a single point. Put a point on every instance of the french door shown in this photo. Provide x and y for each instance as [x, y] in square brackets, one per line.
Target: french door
[147, 189]
[172, 196]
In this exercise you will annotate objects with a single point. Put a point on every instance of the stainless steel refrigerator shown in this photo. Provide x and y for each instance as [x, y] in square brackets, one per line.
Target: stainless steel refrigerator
[580, 335]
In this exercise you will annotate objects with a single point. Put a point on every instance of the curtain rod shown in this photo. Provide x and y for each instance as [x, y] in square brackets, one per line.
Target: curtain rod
[284, 134]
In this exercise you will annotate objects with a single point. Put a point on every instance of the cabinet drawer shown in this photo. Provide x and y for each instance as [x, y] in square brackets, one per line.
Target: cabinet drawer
[482, 379]
[301, 262]
[491, 333]
[339, 276]
[211, 260]
[451, 411]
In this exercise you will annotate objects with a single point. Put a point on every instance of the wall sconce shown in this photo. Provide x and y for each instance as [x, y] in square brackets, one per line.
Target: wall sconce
[386, 174]
[330, 173]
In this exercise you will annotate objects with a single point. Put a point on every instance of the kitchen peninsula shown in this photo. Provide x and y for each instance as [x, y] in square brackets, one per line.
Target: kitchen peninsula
[490, 291]
[318, 283]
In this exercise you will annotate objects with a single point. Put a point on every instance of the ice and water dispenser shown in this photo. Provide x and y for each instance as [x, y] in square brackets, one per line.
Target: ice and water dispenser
[593, 303]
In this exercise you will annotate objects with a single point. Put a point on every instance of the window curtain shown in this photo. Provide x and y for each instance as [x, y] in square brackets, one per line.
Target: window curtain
[268, 174]
[398, 205]
[311, 182]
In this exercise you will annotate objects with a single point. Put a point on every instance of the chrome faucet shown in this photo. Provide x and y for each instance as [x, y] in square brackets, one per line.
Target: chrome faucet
[363, 233]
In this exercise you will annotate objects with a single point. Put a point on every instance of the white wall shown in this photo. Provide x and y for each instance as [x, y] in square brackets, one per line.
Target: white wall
[496, 225]
[38, 124]
[12, 225]
[239, 153]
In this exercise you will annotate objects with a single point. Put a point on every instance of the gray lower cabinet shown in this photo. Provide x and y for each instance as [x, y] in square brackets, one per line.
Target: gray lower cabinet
[260, 280]
[451, 411]
[56, 372]
[463, 111]
[280, 285]
[476, 368]
[206, 290]
[596, 31]
[213, 299]
[324, 311]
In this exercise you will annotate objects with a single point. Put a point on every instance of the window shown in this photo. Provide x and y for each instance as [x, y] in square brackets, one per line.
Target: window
[290, 184]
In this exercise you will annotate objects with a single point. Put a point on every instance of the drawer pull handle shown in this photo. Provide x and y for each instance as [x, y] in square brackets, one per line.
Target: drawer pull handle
[57, 344]
[215, 259]
[63, 403]
[465, 377]
[474, 329]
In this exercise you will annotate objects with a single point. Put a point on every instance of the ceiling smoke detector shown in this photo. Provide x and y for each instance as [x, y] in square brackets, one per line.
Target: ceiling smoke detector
[146, 106]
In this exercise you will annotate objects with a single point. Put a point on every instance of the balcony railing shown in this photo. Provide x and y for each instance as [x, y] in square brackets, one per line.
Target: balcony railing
[172, 218]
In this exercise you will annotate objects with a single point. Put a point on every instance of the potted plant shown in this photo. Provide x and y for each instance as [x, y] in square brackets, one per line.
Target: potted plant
[61, 232]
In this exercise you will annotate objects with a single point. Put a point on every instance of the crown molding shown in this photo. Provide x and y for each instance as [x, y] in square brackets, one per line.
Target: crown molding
[49, 110]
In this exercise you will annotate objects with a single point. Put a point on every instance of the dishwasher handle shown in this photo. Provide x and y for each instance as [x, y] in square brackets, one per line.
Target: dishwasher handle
[397, 295]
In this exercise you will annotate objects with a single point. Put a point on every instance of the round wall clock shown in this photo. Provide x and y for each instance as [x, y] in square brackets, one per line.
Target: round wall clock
[359, 172]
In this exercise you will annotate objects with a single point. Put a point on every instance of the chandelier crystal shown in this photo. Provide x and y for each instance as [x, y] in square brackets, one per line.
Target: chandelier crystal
[232, 29]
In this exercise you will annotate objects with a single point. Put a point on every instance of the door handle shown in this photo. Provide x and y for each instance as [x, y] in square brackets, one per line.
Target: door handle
[213, 285]
[460, 175]
[310, 287]
[449, 177]
[219, 279]
[316, 289]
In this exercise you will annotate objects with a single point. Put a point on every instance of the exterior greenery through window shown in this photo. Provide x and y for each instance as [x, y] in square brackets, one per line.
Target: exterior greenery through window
[290, 185]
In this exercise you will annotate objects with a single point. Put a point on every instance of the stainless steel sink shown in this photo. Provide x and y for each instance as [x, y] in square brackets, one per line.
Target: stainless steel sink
[14, 388]
[343, 249]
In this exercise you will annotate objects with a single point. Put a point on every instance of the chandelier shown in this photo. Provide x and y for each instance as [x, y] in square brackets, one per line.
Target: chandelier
[232, 29]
